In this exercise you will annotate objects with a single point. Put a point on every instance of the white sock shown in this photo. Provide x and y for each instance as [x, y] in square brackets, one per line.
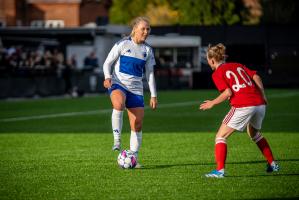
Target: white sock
[117, 123]
[135, 141]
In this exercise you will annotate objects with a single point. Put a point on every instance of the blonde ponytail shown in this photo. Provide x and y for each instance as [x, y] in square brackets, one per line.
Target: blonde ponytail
[217, 52]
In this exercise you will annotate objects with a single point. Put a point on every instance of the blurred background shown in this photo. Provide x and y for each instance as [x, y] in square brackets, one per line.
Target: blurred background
[58, 47]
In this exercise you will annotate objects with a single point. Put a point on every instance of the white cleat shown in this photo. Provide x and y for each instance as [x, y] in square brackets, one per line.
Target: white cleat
[274, 167]
[116, 147]
[138, 166]
[215, 174]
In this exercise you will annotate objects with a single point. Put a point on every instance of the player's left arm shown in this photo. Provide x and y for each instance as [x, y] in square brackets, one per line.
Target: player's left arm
[208, 104]
[259, 83]
[149, 73]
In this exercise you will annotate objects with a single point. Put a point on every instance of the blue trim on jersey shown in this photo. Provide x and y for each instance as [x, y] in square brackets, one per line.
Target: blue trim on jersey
[132, 66]
[123, 39]
[132, 100]
[146, 44]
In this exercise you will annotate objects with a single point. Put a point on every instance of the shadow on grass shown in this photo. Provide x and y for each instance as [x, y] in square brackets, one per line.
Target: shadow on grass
[277, 198]
[149, 167]
[277, 174]
[175, 165]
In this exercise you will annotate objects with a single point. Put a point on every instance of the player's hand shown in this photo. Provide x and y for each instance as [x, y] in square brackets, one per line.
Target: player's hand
[206, 105]
[153, 103]
[107, 83]
[265, 98]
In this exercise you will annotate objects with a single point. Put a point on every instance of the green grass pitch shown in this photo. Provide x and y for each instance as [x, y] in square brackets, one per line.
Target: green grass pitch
[61, 149]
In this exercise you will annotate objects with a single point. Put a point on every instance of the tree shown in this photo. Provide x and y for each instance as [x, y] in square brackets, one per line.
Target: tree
[167, 12]
[123, 11]
[206, 12]
[162, 14]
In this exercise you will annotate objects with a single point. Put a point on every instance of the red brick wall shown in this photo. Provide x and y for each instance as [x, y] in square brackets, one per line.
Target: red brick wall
[73, 14]
[69, 13]
[8, 12]
[90, 10]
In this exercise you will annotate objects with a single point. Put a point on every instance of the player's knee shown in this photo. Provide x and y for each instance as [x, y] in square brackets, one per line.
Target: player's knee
[220, 140]
[223, 135]
[136, 124]
[118, 106]
[257, 137]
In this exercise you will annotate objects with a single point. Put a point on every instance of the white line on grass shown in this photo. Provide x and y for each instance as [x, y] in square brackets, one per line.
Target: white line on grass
[94, 112]
[283, 95]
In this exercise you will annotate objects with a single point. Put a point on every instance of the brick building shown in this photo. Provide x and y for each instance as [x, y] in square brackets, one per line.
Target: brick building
[60, 13]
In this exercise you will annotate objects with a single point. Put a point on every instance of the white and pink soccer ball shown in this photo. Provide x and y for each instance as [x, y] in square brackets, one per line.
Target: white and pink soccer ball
[126, 159]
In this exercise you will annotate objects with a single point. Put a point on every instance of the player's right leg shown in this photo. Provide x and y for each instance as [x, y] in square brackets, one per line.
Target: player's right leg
[118, 99]
[220, 151]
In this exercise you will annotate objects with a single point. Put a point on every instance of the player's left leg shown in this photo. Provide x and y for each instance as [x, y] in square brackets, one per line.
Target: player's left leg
[136, 118]
[264, 147]
[253, 130]
[135, 108]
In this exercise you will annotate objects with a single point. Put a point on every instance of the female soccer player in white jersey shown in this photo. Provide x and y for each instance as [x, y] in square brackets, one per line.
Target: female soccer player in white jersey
[130, 58]
[244, 89]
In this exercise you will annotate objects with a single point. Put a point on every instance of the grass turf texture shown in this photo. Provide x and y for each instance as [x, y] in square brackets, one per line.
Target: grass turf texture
[70, 157]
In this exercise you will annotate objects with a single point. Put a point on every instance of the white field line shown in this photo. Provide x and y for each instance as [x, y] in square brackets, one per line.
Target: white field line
[283, 95]
[94, 112]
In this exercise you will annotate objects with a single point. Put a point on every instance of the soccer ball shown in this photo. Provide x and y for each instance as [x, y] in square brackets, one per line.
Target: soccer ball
[126, 159]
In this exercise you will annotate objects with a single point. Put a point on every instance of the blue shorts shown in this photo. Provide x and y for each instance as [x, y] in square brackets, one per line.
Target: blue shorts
[132, 100]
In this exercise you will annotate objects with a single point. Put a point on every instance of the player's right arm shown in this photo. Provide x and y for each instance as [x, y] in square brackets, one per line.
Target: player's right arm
[208, 104]
[111, 58]
[259, 83]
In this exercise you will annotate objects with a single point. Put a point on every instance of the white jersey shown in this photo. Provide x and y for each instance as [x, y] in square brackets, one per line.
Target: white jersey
[131, 61]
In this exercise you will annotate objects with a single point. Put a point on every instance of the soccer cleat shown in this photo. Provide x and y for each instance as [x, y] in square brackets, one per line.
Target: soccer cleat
[116, 147]
[138, 166]
[215, 174]
[274, 167]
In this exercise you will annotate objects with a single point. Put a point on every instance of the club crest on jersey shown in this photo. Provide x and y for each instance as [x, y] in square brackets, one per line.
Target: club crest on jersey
[116, 130]
[128, 51]
[144, 54]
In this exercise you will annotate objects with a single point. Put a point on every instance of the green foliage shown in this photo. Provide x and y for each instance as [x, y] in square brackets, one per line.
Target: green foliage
[192, 12]
[205, 12]
[124, 11]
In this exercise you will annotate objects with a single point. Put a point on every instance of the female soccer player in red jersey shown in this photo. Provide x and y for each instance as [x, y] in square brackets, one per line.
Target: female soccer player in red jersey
[244, 89]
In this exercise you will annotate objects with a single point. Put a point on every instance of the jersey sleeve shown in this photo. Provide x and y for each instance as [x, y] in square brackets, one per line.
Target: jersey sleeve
[219, 82]
[150, 62]
[249, 71]
[111, 58]
[149, 72]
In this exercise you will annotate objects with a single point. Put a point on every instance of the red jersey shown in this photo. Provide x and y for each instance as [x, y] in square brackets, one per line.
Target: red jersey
[238, 78]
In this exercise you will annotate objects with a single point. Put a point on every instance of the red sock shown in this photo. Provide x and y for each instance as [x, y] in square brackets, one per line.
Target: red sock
[220, 154]
[265, 149]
